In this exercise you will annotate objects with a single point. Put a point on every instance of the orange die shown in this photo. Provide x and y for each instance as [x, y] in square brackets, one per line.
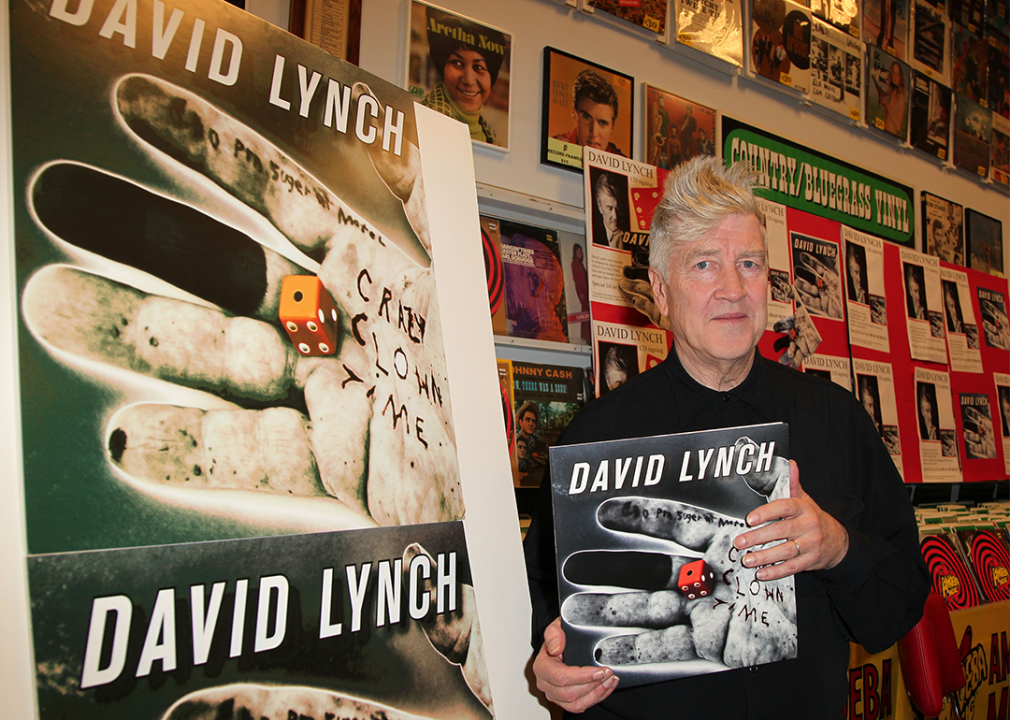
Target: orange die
[308, 314]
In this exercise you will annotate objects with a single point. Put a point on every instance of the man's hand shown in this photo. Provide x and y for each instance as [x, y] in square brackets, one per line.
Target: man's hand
[814, 539]
[574, 689]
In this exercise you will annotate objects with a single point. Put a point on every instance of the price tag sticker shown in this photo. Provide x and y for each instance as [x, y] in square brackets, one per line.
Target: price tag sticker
[879, 123]
[651, 23]
[684, 38]
[786, 79]
[854, 114]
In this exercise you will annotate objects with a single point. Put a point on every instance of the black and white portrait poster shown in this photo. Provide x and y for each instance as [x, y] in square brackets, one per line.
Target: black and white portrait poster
[780, 276]
[920, 276]
[866, 302]
[832, 53]
[930, 120]
[938, 445]
[963, 349]
[629, 333]
[943, 229]
[875, 390]
[846, 15]
[714, 27]
[780, 43]
[995, 328]
[314, 625]
[628, 515]
[1001, 419]
[817, 275]
[930, 38]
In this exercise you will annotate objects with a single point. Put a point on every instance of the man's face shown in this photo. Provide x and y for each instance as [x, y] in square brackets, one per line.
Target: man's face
[528, 423]
[715, 294]
[926, 409]
[468, 80]
[913, 286]
[854, 270]
[595, 122]
[869, 403]
[521, 450]
[607, 204]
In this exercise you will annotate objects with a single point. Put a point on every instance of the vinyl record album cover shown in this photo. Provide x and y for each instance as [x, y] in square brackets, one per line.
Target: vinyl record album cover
[650, 582]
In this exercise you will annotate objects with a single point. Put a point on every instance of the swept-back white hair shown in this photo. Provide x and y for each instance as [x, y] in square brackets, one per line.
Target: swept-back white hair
[698, 195]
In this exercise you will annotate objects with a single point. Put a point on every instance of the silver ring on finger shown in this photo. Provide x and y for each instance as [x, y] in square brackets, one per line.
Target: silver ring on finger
[799, 551]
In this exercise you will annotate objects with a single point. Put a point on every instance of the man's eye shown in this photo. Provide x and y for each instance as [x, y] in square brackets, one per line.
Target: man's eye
[703, 265]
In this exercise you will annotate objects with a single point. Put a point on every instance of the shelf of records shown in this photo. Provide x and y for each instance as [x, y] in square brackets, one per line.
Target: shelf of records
[932, 74]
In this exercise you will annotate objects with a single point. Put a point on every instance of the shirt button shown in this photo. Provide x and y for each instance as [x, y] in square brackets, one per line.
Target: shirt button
[726, 397]
[753, 668]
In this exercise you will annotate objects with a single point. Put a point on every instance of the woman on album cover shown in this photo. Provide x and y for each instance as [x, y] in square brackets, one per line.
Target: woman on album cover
[468, 71]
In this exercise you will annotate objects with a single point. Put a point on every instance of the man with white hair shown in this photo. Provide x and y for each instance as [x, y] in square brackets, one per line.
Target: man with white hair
[847, 532]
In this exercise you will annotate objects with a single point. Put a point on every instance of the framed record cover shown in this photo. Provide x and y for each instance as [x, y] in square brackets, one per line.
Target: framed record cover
[999, 169]
[930, 129]
[780, 43]
[584, 104]
[832, 54]
[999, 76]
[887, 96]
[985, 243]
[943, 229]
[714, 27]
[885, 25]
[648, 14]
[972, 136]
[461, 68]
[969, 70]
[676, 129]
[930, 39]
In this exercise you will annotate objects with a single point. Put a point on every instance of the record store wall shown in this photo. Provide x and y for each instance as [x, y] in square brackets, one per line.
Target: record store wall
[535, 24]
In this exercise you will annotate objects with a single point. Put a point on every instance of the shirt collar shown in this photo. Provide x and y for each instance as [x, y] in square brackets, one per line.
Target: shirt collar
[691, 396]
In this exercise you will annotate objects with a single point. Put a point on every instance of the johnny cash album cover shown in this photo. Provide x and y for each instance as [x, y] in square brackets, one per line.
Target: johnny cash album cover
[650, 583]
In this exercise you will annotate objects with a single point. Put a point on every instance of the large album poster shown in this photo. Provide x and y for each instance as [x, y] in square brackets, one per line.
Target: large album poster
[885, 26]
[969, 71]
[780, 43]
[943, 228]
[228, 329]
[575, 263]
[985, 242]
[649, 580]
[888, 84]
[629, 333]
[836, 60]
[461, 68]
[676, 129]
[930, 122]
[338, 624]
[999, 76]
[714, 27]
[846, 15]
[999, 169]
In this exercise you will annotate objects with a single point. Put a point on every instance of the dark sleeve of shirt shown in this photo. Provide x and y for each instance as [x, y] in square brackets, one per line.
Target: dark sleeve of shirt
[878, 589]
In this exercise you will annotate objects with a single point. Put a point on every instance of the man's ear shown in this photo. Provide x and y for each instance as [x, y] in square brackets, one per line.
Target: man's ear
[659, 292]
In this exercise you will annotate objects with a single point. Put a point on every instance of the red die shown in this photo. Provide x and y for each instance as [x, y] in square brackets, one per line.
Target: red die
[696, 579]
[308, 314]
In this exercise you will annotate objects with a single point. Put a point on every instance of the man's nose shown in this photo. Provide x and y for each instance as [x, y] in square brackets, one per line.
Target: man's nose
[731, 286]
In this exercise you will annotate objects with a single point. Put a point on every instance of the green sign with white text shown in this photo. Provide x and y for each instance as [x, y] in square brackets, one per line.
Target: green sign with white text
[821, 185]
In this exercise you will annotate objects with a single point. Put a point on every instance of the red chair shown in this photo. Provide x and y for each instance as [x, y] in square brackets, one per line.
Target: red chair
[931, 660]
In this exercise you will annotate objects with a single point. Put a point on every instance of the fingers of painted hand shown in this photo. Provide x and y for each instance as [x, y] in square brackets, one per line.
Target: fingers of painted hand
[96, 319]
[398, 163]
[768, 479]
[639, 294]
[688, 525]
[575, 689]
[191, 130]
[276, 702]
